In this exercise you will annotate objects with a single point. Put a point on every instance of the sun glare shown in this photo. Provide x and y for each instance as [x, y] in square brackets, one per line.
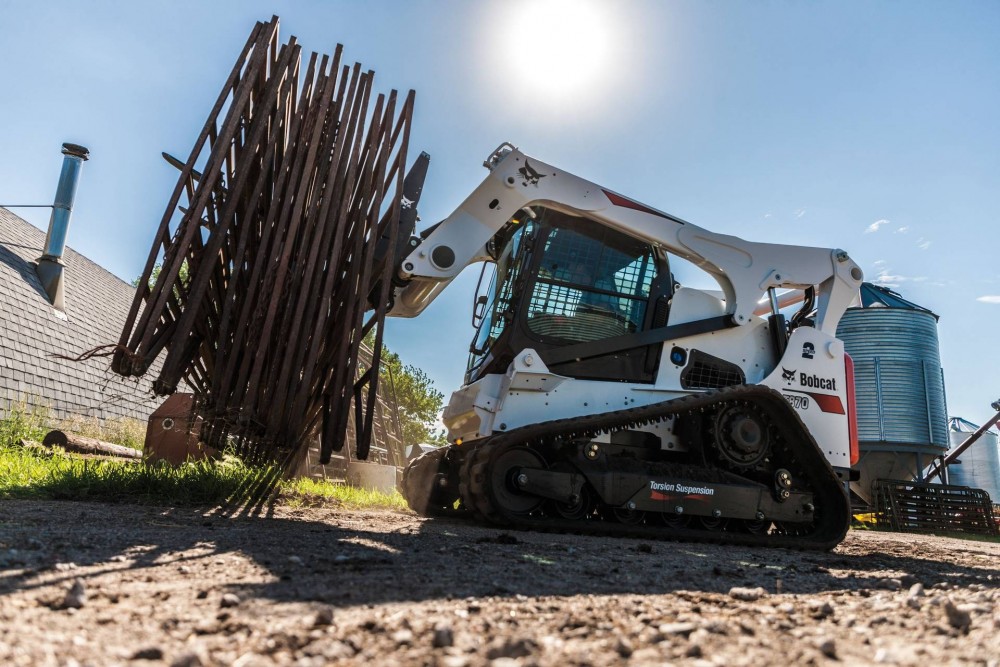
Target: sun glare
[560, 47]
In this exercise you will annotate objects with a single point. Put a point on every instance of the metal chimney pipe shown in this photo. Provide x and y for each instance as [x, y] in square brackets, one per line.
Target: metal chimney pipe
[50, 265]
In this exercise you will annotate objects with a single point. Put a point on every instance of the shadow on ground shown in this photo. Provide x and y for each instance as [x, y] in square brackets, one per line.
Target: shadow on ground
[350, 558]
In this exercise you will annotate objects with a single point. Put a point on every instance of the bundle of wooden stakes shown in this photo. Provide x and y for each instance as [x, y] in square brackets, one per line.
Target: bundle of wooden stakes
[274, 257]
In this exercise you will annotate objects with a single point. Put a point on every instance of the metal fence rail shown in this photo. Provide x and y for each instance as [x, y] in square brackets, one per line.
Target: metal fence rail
[923, 508]
[275, 243]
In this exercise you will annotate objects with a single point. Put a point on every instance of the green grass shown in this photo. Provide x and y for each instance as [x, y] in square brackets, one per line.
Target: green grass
[26, 473]
[305, 492]
[20, 423]
[39, 474]
[53, 474]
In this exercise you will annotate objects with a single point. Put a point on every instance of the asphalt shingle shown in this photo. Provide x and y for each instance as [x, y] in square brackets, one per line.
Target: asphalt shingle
[32, 332]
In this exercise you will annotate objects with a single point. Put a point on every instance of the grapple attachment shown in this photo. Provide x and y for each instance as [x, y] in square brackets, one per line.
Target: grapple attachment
[263, 266]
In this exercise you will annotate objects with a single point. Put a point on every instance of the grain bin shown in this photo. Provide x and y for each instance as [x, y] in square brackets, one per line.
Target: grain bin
[979, 465]
[899, 386]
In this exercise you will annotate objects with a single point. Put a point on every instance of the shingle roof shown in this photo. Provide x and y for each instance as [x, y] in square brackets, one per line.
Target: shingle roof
[31, 332]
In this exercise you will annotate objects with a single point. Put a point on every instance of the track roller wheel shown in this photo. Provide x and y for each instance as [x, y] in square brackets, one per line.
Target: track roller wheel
[579, 510]
[624, 515]
[713, 524]
[753, 527]
[674, 520]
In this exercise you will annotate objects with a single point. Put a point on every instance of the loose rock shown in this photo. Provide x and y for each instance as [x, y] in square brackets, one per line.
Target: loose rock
[511, 648]
[820, 609]
[189, 659]
[747, 594]
[324, 616]
[957, 618]
[443, 636]
[148, 653]
[693, 651]
[402, 637]
[677, 628]
[76, 596]
[230, 600]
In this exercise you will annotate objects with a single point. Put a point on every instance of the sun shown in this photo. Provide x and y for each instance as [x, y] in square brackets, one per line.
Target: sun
[558, 47]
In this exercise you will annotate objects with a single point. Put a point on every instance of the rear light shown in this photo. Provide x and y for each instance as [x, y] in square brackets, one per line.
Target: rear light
[852, 415]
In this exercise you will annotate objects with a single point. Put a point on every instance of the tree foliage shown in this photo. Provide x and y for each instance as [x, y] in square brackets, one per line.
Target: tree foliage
[418, 402]
[182, 274]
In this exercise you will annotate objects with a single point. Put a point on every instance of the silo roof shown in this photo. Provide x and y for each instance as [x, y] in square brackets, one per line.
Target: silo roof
[964, 425]
[876, 296]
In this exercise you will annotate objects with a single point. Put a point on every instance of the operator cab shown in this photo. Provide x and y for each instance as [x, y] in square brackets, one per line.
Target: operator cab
[561, 280]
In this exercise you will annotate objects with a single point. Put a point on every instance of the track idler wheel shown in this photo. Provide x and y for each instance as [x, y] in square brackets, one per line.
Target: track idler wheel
[505, 467]
[427, 486]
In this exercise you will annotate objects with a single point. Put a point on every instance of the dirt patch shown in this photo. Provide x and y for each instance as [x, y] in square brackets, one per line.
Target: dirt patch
[84, 583]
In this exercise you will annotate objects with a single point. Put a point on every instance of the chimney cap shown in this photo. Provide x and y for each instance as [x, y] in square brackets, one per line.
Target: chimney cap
[76, 150]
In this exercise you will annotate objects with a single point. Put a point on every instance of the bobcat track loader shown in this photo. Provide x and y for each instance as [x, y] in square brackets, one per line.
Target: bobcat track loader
[603, 397]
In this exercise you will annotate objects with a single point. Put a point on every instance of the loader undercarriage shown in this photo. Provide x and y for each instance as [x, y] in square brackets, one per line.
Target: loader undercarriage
[751, 474]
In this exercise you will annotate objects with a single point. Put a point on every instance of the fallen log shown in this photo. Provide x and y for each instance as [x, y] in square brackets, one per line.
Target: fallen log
[84, 445]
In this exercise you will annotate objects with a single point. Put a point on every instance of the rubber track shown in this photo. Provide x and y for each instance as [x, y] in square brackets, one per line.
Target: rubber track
[419, 484]
[797, 451]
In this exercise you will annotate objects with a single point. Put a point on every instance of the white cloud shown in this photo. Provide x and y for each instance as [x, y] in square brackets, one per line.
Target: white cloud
[923, 245]
[989, 298]
[800, 212]
[874, 227]
[902, 230]
[767, 215]
[887, 279]
[879, 263]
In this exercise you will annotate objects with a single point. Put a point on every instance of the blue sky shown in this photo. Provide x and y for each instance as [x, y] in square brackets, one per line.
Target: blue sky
[870, 126]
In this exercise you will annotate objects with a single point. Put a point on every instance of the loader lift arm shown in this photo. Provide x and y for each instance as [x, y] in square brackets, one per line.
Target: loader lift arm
[744, 269]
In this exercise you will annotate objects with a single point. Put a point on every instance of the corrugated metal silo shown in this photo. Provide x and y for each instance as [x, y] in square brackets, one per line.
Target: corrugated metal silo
[899, 386]
[979, 465]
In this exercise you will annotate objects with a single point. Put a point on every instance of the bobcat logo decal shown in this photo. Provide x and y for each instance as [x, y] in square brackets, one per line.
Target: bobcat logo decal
[529, 175]
[787, 375]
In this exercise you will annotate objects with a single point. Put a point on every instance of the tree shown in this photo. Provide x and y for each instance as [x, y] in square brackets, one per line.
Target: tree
[182, 274]
[417, 401]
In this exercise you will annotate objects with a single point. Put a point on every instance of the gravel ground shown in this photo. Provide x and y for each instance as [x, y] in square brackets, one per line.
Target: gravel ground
[84, 584]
